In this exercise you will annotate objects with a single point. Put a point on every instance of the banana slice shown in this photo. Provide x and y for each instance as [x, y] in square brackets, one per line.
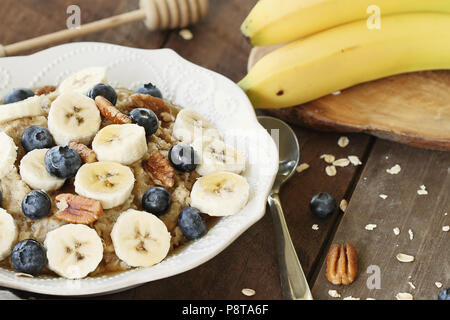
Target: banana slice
[26, 108]
[140, 238]
[82, 81]
[190, 125]
[216, 156]
[8, 233]
[33, 172]
[123, 143]
[8, 155]
[73, 117]
[220, 193]
[108, 182]
[73, 250]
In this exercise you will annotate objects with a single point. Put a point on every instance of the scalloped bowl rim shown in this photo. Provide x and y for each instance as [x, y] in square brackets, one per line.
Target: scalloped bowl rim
[40, 67]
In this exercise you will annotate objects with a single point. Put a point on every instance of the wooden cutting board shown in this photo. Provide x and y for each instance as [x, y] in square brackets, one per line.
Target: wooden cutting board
[411, 108]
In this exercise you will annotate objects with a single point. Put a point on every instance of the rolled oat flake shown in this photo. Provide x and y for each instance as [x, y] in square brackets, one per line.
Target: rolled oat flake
[248, 292]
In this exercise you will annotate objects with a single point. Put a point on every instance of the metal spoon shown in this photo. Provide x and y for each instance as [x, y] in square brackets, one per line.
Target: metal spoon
[293, 281]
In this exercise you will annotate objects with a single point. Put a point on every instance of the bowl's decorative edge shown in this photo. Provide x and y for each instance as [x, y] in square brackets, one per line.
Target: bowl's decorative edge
[184, 83]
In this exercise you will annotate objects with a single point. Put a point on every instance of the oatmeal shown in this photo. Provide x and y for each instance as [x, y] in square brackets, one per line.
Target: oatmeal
[138, 171]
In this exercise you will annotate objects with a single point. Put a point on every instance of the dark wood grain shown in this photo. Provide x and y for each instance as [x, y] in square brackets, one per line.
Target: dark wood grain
[31, 18]
[405, 209]
[249, 262]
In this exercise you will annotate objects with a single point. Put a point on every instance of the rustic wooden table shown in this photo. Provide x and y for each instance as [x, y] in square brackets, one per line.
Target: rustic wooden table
[250, 262]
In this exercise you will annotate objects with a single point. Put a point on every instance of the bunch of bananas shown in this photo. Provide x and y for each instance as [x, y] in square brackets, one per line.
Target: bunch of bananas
[331, 45]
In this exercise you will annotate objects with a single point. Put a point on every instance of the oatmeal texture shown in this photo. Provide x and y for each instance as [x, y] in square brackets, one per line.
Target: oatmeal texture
[14, 189]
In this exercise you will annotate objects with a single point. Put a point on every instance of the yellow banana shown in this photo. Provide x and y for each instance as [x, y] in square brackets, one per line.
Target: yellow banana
[347, 55]
[281, 21]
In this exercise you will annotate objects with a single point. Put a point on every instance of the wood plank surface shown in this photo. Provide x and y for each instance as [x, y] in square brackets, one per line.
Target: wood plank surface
[404, 208]
[31, 18]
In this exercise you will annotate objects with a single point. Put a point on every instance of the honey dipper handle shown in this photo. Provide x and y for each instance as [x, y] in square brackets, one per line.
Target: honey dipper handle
[63, 35]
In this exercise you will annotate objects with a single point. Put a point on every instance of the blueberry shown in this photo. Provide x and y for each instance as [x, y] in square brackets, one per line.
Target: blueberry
[150, 89]
[156, 200]
[322, 205]
[29, 256]
[444, 294]
[36, 205]
[18, 95]
[62, 162]
[191, 223]
[104, 90]
[145, 118]
[36, 137]
[183, 157]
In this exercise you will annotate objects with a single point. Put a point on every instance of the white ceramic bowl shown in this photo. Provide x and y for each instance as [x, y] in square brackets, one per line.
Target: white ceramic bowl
[185, 84]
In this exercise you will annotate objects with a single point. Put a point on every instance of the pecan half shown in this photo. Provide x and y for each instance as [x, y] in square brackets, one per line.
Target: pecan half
[157, 105]
[110, 112]
[160, 170]
[86, 154]
[77, 209]
[342, 264]
[45, 90]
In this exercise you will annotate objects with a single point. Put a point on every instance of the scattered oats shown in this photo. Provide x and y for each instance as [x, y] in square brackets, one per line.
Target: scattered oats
[341, 162]
[394, 170]
[351, 298]
[354, 160]
[445, 213]
[370, 226]
[186, 34]
[302, 167]
[334, 294]
[331, 170]
[370, 299]
[343, 205]
[343, 142]
[383, 196]
[404, 257]
[411, 285]
[411, 234]
[396, 231]
[328, 158]
[445, 228]
[248, 292]
[336, 93]
[387, 157]
[422, 191]
[404, 296]
[315, 227]
[438, 284]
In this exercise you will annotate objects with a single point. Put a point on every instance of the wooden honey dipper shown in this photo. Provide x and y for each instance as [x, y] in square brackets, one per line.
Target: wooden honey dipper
[156, 14]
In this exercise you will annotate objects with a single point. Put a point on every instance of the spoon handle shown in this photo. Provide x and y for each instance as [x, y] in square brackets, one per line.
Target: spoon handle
[293, 281]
